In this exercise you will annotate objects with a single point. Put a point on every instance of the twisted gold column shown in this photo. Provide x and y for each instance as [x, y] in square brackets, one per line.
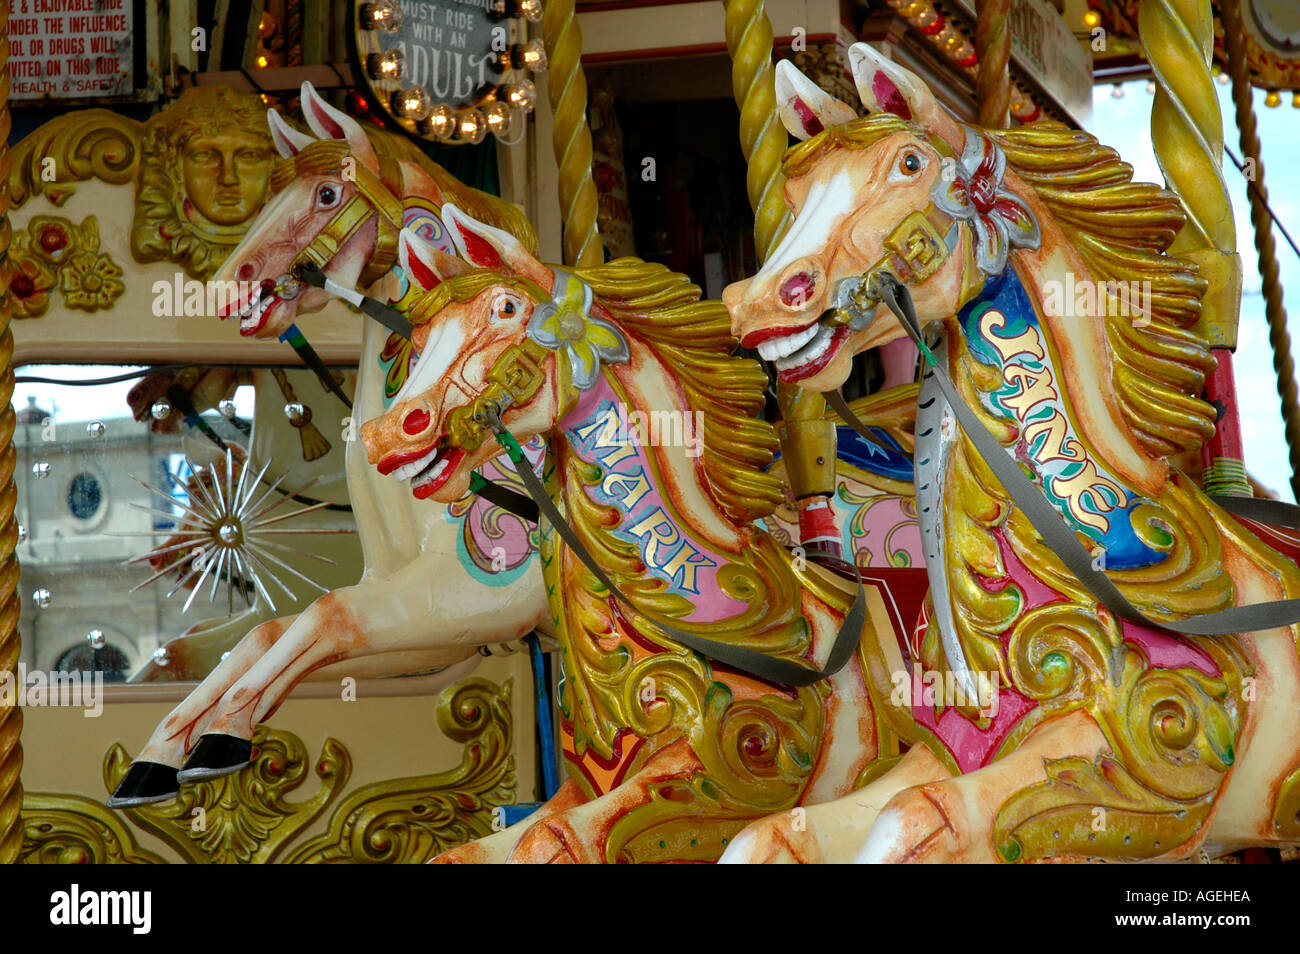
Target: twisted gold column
[571, 137]
[11, 717]
[993, 51]
[1274, 309]
[1187, 133]
[762, 137]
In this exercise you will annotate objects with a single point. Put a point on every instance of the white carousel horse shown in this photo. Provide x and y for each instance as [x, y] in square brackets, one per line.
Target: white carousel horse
[427, 600]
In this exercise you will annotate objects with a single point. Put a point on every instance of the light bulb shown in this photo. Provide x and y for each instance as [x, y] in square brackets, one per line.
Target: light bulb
[497, 115]
[385, 66]
[383, 15]
[1272, 99]
[522, 95]
[530, 10]
[531, 56]
[1091, 19]
[472, 126]
[1117, 92]
[440, 123]
[412, 103]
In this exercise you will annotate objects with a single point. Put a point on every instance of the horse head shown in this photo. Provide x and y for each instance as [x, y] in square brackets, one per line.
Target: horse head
[497, 334]
[906, 189]
[334, 211]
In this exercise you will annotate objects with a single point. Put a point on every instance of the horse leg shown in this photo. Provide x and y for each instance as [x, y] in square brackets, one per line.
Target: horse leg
[151, 776]
[952, 820]
[495, 849]
[579, 835]
[398, 613]
[832, 832]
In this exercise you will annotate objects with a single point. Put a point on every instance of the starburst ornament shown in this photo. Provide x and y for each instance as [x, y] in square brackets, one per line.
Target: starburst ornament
[225, 533]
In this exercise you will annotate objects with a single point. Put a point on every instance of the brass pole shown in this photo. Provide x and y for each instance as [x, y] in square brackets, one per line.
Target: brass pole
[11, 716]
[571, 137]
[1187, 134]
[993, 52]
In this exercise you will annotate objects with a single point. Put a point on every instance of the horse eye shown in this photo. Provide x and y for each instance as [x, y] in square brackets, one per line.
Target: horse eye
[327, 196]
[508, 308]
[912, 162]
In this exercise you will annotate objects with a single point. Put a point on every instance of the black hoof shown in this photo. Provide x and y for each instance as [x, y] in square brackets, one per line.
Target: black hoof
[143, 784]
[215, 755]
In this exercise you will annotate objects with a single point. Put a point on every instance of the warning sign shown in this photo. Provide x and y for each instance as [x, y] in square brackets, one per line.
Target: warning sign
[70, 49]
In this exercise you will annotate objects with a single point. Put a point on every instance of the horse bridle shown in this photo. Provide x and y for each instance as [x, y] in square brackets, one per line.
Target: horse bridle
[375, 198]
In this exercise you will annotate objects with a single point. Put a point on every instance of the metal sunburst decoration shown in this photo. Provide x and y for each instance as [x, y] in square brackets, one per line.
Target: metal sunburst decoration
[224, 533]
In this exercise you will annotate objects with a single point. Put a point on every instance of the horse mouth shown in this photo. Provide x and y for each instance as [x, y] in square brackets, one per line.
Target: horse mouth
[805, 353]
[426, 470]
[252, 317]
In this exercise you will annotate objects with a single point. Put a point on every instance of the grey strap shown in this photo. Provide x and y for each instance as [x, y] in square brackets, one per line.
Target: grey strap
[771, 669]
[1053, 530]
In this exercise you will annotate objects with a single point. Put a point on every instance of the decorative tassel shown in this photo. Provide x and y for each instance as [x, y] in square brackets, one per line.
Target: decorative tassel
[314, 443]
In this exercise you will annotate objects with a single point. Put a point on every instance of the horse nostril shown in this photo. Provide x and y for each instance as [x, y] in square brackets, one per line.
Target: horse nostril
[797, 290]
[417, 422]
[268, 286]
[246, 272]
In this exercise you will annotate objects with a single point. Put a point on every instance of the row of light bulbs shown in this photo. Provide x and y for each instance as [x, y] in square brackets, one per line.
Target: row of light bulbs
[943, 33]
[513, 100]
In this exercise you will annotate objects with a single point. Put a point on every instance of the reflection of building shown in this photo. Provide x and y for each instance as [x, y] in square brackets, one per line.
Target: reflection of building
[76, 491]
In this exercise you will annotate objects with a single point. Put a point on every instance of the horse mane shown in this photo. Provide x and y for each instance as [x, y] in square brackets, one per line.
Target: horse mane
[663, 309]
[1122, 229]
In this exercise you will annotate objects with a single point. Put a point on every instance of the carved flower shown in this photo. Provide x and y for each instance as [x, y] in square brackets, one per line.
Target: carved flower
[1001, 221]
[56, 239]
[566, 322]
[29, 291]
[90, 281]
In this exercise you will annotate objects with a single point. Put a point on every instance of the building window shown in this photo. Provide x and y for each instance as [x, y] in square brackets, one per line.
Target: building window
[84, 496]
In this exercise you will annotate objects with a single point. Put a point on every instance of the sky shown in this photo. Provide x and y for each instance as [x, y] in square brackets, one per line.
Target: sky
[1124, 124]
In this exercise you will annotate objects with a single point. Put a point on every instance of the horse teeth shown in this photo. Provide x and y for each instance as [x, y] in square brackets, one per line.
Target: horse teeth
[775, 348]
[407, 471]
[814, 349]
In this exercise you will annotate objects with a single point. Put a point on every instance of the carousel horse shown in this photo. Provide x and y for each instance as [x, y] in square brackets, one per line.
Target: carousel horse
[656, 469]
[1035, 275]
[339, 206]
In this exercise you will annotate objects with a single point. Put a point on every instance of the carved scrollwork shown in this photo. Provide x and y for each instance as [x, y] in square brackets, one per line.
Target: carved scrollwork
[246, 818]
[70, 829]
[411, 820]
[242, 818]
[92, 144]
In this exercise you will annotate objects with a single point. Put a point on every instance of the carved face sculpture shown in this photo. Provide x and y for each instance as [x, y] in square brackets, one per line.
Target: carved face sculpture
[906, 188]
[206, 165]
[227, 174]
[499, 329]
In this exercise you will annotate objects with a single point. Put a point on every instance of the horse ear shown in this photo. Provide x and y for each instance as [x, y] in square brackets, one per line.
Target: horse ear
[330, 123]
[486, 247]
[288, 141]
[884, 86]
[426, 266]
[806, 109]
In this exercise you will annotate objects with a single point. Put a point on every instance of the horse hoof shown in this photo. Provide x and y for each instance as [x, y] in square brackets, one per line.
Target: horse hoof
[143, 784]
[215, 755]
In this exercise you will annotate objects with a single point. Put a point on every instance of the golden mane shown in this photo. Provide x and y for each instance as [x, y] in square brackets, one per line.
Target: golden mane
[663, 309]
[1122, 230]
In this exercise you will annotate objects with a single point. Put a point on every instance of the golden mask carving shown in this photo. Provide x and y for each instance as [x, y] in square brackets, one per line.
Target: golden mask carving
[205, 172]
